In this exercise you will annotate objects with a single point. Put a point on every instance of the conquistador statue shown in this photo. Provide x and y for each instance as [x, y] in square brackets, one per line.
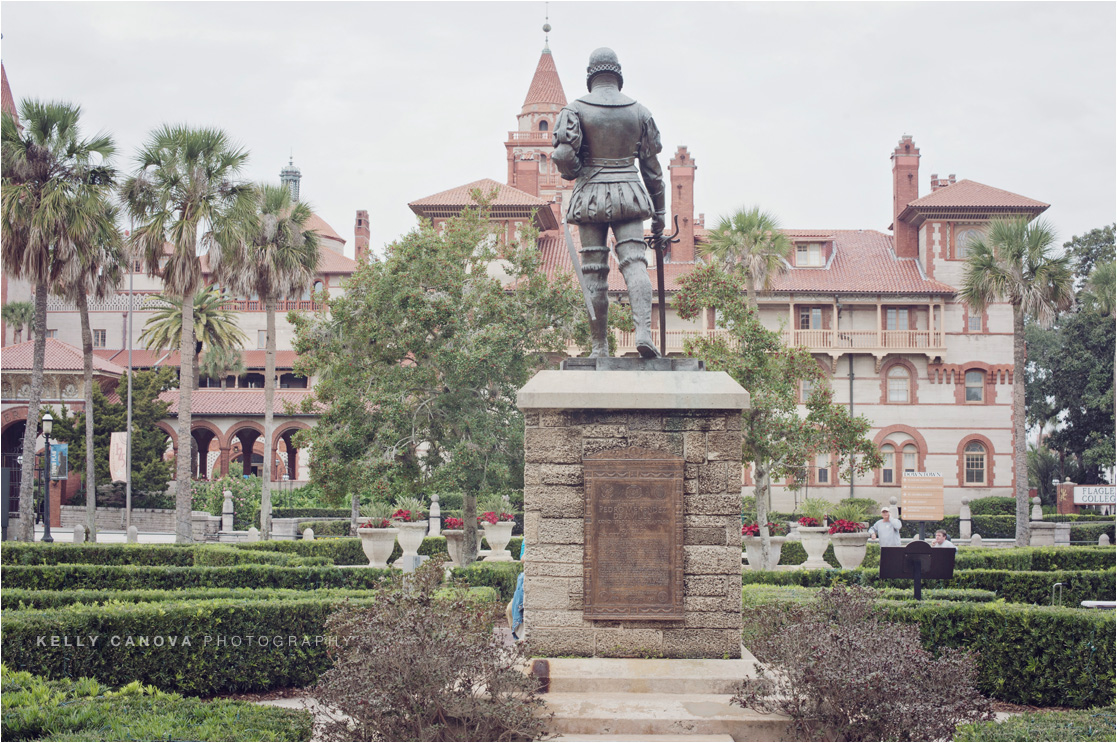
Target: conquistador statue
[598, 139]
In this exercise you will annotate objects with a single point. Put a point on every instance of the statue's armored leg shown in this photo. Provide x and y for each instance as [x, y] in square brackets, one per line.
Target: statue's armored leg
[595, 269]
[634, 267]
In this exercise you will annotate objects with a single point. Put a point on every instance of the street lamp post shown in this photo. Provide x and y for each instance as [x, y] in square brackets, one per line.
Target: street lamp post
[48, 425]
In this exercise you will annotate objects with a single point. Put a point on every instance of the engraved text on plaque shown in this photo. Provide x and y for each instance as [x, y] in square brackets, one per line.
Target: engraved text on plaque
[633, 560]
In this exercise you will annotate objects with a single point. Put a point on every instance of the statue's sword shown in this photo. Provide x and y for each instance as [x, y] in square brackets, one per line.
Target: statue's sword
[577, 264]
[659, 244]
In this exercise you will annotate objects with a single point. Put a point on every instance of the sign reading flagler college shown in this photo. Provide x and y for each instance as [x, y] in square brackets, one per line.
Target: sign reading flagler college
[921, 496]
[1095, 495]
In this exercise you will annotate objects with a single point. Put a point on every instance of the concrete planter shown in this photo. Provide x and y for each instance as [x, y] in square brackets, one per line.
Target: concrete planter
[753, 550]
[378, 545]
[498, 535]
[411, 534]
[814, 540]
[850, 548]
[454, 539]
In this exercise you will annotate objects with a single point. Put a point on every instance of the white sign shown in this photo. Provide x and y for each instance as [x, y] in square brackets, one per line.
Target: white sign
[118, 456]
[1095, 495]
[921, 496]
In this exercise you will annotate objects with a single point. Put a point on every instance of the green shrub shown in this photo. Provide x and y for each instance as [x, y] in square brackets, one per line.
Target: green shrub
[235, 645]
[342, 551]
[37, 709]
[1081, 532]
[17, 598]
[499, 575]
[333, 528]
[60, 553]
[994, 505]
[310, 513]
[127, 577]
[1036, 558]
[209, 496]
[1088, 724]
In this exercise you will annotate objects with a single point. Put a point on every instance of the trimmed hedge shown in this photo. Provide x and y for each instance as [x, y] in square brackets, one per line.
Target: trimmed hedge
[499, 575]
[757, 594]
[15, 599]
[325, 528]
[311, 513]
[200, 648]
[347, 550]
[1094, 724]
[1036, 655]
[1020, 587]
[994, 505]
[16, 553]
[1036, 558]
[37, 709]
[128, 577]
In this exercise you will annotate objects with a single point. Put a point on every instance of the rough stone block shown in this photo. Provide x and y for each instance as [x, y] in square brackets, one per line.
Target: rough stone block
[553, 569]
[549, 594]
[559, 619]
[725, 504]
[560, 531]
[628, 643]
[703, 520]
[734, 476]
[699, 620]
[553, 445]
[700, 643]
[694, 447]
[733, 420]
[733, 534]
[704, 585]
[561, 474]
[704, 560]
[708, 604]
[531, 527]
[712, 477]
[557, 641]
[658, 440]
[533, 475]
[556, 502]
[555, 553]
[645, 420]
[593, 446]
[723, 446]
[604, 431]
[531, 418]
[711, 535]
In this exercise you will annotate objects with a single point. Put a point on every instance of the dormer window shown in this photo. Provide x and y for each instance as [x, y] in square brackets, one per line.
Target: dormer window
[808, 254]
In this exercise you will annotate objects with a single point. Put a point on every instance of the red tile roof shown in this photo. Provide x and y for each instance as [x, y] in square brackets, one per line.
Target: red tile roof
[142, 358]
[59, 357]
[330, 261]
[7, 102]
[463, 196]
[234, 402]
[545, 86]
[320, 226]
[864, 263]
[966, 194]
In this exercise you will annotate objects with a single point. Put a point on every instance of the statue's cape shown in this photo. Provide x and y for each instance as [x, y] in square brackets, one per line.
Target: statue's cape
[608, 97]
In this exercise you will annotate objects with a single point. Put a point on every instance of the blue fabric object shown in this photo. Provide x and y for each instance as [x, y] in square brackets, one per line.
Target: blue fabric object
[518, 596]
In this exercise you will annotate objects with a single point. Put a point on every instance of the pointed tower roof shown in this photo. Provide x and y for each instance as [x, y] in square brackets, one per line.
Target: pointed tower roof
[7, 102]
[545, 86]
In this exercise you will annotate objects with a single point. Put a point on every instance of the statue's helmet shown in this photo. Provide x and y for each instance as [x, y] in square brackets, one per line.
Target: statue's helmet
[603, 60]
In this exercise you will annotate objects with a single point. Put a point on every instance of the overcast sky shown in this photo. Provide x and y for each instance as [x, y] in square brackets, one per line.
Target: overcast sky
[792, 106]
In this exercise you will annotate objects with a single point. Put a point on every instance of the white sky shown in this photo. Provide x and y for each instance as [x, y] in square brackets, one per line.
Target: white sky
[792, 106]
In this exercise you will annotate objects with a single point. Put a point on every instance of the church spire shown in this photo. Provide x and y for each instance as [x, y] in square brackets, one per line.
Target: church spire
[547, 29]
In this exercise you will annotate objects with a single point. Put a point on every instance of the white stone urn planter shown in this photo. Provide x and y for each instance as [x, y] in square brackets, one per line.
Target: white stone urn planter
[850, 548]
[814, 540]
[378, 545]
[454, 539]
[498, 535]
[753, 550]
[411, 534]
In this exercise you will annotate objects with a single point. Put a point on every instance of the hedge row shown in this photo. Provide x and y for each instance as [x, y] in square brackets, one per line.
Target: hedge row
[201, 648]
[18, 553]
[311, 513]
[129, 577]
[757, 594]
[1037, 655]
[1004, 527]
[1020, 587]
[1094, 724]
[347, 550]
[37, 709]
[1036, 558]
[499, 575]
[17, 598]
[325, 528]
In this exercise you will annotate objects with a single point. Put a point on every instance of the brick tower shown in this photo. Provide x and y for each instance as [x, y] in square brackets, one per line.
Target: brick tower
[905, 189]
[529, 147]
[682, 169]
[361, 236]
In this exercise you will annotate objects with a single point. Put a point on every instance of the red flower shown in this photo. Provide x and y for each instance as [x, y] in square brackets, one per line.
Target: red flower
[844, 526]
[491, 517]
[808, 521]
[452, 523]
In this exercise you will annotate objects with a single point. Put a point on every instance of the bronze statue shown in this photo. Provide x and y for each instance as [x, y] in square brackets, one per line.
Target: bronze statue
[598, 139]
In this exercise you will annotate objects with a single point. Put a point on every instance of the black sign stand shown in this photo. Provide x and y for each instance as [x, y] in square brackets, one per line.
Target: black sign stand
[917, 562]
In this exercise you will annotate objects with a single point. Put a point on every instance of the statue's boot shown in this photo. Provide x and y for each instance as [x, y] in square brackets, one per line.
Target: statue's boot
[595, 271]
[634, 267]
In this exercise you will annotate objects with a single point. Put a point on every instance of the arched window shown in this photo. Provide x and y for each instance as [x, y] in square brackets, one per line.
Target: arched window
[975, 386]
[317, 286]
[962, 242]
[899, 384]
[911, 458]
[543, 125]
[888, 467]
[974, 464]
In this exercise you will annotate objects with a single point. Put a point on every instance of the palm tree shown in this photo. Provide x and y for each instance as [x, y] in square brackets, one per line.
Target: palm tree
[19, 315]
[95, 272]
[215, 326]
[280, 260]
[1100, 288]
[54, 185]
[1014, 264]
[185, 193]
[220, 363]
[750, 241]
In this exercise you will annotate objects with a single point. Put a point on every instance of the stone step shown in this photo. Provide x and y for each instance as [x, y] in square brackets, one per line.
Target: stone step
[679, 716]
[646, 675]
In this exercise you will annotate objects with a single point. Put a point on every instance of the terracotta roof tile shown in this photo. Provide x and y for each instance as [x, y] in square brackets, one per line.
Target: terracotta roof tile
[7, 102]
[330, 261]
[320, 226]
[234, 402]
[59, 357]
[545, 85]
[142, 358]
[966, 193]
[462, 196]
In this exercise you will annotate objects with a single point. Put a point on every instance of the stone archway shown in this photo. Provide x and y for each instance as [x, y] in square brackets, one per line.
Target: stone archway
[246, 434]
[284, 434]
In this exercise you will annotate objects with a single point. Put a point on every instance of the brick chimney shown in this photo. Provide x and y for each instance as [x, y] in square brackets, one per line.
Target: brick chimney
[361, 235]
[937, 183]
[682, 169]
[526, 174]
[905, 189]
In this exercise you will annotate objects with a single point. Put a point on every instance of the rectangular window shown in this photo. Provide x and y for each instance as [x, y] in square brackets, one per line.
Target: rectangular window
[822, 468]
[973, 323]
[975, 386]
[909, 459]
[888, 467]
[810, 318]
[52, 333]
[805, 388]
[975, 469]
[261, 339]
[897, 319]
[100, 338]
[808, 254]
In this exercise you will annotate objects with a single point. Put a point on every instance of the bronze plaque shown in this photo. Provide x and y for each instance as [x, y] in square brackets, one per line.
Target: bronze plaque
[633, 559]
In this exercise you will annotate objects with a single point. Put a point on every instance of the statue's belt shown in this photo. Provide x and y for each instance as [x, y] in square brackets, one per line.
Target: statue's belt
[610, 162]
[609, 170]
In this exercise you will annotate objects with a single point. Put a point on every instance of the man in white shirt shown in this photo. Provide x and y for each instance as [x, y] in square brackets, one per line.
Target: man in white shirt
[942, 541]
[887, 529]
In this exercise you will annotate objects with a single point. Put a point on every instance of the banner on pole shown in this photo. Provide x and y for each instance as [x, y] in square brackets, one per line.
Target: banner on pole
[59, 461]
[118, 456]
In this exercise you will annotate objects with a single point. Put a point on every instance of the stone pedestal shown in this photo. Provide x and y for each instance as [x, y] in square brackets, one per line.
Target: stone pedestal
[676, 439]
[1042, 534]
